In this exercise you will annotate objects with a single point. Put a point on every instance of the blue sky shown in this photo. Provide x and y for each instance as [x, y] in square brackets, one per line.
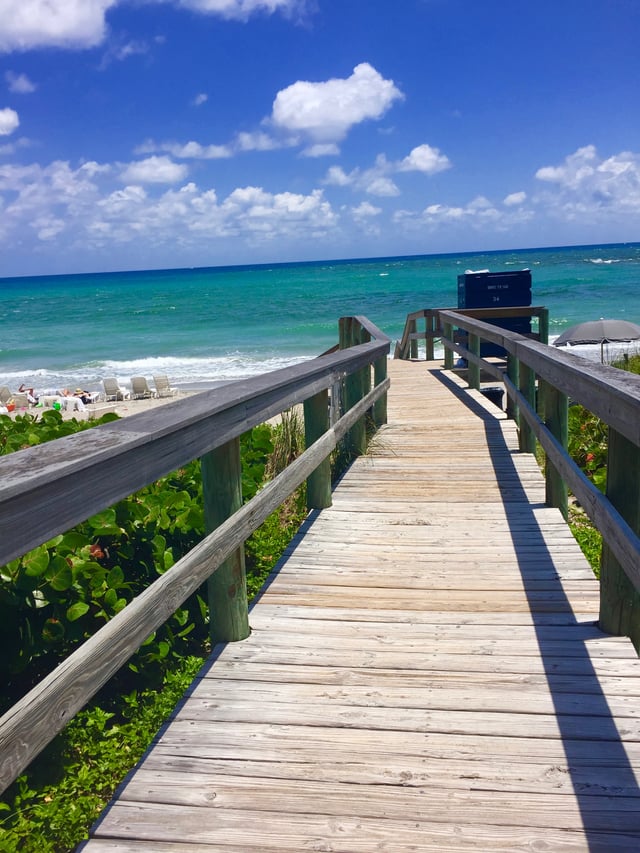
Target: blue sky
[142, 134]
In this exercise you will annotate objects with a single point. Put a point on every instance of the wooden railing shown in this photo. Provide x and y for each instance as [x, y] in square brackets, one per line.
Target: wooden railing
[47, 489]
[540, 381]
[407, 346]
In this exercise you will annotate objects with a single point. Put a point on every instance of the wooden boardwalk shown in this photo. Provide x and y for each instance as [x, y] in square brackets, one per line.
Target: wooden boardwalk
[423, 674]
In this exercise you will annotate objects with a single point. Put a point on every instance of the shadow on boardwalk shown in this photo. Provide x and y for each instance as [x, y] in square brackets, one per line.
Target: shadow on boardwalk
[594, 739]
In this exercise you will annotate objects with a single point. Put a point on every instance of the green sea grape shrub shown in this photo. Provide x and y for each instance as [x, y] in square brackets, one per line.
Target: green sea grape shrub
[587, 445]
[60, 593]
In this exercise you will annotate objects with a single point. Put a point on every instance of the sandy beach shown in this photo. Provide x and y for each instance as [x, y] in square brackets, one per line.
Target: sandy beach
[123, 408]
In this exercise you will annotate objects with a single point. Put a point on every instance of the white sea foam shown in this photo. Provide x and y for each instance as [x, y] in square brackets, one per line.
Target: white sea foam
[182, 372]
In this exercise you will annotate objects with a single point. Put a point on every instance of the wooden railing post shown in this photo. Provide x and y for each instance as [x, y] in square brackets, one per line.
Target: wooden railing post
[429, 327]
[380, 406]
[556, 417]
[474, 369]
[316, 423]
[353, 387]
[413, 347]
[513, 372]
[448, 353]
[527, 386]
[619, 600]
[543, 325]
[227, 587]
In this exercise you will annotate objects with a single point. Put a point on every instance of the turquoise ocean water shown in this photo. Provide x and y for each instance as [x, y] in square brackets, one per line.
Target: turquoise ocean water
[223, 323]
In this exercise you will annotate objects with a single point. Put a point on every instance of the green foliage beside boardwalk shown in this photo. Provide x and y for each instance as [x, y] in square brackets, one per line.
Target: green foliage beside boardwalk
[588, 443]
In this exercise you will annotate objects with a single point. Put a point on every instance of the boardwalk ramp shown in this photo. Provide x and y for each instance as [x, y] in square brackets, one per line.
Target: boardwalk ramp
[424, 673]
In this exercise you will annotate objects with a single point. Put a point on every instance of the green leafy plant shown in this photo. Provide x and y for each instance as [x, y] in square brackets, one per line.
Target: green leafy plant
[587, 536]
[588, 437]
[50, 809]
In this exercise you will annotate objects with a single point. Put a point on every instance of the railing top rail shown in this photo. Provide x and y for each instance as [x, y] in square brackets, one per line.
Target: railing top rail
[46, 489]
[376, 333]
[611, 394]
[433, 329]
[524, 310]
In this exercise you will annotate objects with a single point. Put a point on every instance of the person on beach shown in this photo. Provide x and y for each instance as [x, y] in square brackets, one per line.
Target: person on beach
[77, 398]
[85, 396]
[31, 395]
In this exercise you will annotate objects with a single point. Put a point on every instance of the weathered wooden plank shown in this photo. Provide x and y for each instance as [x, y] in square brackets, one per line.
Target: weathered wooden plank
[498, 773]
[393, 802]
[443, 697]
[437, 662]
[273, 742]
[279, 830]
[335, 614]
[471, 722]
[299, 621]
[494, 643]
[528, 683]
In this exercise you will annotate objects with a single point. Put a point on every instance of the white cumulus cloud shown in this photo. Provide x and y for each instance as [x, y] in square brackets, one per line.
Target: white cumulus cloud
[588, 187]
[379, 185]
[514, 199]
[377, 180]
[192, 150]
[326, 111]
[9, 121]
[28, 24]
[241, 10]
[321, 149]
[119, 51]
[154, 170]
[25, 24]
[479, 214]
[19, 84]
[258, 141]
[365, 210]
[573, 171]
[425, 159]
[337, 177]
[85, 211]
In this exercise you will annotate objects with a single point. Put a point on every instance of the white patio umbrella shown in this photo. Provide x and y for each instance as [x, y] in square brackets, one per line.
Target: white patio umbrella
[599, 332]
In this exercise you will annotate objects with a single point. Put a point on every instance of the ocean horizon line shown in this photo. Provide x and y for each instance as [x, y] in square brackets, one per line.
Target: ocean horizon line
[268, 265]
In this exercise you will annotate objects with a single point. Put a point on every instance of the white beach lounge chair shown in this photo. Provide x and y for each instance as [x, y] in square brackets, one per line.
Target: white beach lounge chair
[5, 395]
[140, 388]
[163, 388]
[112, 391]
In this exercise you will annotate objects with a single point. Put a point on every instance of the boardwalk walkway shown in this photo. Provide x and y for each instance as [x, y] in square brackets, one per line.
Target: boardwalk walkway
[424, 672]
